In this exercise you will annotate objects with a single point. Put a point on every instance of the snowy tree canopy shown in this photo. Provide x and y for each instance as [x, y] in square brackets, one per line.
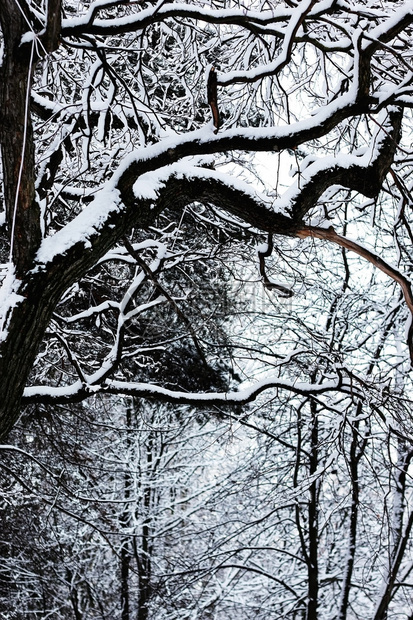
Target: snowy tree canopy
[107, 135]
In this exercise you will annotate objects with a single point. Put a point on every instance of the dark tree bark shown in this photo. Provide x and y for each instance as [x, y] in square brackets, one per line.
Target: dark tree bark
[357, 448]
[16, 135]
[313, 534]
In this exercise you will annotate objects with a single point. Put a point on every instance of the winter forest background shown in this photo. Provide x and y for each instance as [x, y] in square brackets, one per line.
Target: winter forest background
[206, 340]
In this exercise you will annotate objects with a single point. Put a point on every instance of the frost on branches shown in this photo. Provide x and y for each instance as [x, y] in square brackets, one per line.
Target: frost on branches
[208, 205]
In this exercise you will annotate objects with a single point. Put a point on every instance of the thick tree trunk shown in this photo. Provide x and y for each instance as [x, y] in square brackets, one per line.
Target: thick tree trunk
[23, 329]
[22, 325]
[27, 300]
[16, 136]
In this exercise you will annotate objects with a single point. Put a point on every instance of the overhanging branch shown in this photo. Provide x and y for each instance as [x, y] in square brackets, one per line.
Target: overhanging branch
[78, 392]
[330, 234]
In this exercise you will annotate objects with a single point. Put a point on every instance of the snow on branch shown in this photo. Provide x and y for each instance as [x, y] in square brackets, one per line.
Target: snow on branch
[89, 24]
[149, 176]
[284, 57]
[80, 391]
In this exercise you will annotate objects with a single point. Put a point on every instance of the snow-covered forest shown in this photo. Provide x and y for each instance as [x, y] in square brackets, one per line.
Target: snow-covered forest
[206, 342]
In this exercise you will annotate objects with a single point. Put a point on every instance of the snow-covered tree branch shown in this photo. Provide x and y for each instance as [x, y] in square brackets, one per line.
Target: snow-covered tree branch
[218, 245]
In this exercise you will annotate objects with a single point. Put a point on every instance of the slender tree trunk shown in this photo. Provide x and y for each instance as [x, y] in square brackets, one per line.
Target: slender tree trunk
[401, 536]
[345, 588]
[312, 564]
[356, 453]
[399, 500]
[298, 521]
[144, 575]
[144, 555]
[382, 608]
[124, 579]
[73, 596]
[125, 555]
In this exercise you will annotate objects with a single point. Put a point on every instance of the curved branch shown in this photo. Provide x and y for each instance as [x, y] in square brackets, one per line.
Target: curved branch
[78, 392]
[251, 20]
[88, 24]
[262, 255]
[330, 234]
